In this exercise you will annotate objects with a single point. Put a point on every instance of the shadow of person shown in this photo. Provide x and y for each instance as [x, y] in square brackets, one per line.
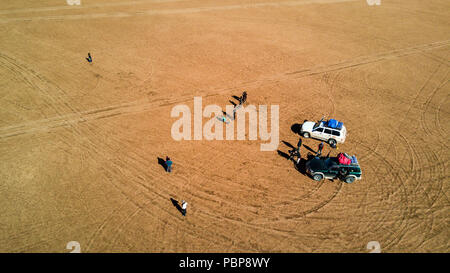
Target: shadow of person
[309, 148]
[288, 144]
[300, 166]
[177, 205]
[162, 162]
[283, 154]
[232, 102]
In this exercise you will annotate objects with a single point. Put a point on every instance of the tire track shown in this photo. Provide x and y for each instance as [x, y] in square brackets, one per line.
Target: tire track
[365, 156]
[370, 103]
[419, 92]
[145, 105]
[35, 80]
[411, 153]
[317, 207]
[199, 193]
[430, 159]
[129, 165]
[306, 212]
[331, 86]
[437, 59]
[436, 168]
[408, 173]
[396, 171]
[442, 83]
[85, 6]
[101, 227]
[153, 12]
[28, 78]
[252, 189]
[418, 176]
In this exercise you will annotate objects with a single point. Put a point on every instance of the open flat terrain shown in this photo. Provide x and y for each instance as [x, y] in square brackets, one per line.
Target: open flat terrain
[80, 142]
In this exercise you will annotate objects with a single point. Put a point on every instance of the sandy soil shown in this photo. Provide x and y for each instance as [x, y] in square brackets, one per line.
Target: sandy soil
[79, 143]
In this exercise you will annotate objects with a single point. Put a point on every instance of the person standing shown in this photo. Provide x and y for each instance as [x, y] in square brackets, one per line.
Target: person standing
[244, 97]
[168, 164]
[292, 153]
[295, 153]
[241, 100]
[224, 119]
[298, 158]
[299, 144]
[319, 151]
[183, 207]
[89, 58]
[236, 107]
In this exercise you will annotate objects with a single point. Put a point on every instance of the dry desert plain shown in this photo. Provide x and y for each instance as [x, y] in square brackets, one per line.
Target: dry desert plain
[80, 142]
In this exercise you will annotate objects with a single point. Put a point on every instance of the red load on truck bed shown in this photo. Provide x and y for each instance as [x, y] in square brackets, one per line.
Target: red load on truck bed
[343, 159]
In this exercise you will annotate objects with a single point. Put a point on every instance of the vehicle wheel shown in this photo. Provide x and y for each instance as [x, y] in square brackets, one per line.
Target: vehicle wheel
[305, 135]
[349, 179]
[332, 142]
[317, 177]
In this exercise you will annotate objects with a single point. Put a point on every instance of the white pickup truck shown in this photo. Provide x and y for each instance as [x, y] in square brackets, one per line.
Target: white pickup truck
[330, 131]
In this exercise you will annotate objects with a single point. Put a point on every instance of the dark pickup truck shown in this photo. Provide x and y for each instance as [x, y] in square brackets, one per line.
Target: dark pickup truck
[330, 168]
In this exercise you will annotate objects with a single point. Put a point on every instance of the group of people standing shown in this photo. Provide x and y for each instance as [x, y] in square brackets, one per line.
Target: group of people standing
[168, 162]
[242, 99]
[295, 153]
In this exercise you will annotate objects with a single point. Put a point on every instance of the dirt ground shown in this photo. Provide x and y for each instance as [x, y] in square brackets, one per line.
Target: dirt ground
[80, 142]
